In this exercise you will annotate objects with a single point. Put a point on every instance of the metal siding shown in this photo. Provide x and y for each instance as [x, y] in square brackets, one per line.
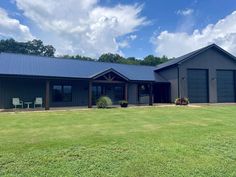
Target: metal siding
[29, 89]
[225, 86]
[171, 75]
[198, 85]
[25, 89]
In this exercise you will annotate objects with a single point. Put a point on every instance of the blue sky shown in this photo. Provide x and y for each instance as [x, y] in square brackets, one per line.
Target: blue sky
[129, 27]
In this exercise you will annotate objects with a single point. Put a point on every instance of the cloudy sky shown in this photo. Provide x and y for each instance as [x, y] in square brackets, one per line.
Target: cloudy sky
[128, 27]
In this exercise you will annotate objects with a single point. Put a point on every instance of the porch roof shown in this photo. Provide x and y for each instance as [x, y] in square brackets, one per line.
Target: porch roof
[30, 65]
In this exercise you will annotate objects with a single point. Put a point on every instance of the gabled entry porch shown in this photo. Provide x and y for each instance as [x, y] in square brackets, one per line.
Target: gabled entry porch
[108, 83]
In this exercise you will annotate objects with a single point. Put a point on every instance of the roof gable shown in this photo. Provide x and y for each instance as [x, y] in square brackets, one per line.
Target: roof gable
[115, 73]
[190, 55]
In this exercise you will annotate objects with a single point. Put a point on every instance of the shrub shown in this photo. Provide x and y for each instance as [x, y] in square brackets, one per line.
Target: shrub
[182, 101]
[123, 103]
[104, 102]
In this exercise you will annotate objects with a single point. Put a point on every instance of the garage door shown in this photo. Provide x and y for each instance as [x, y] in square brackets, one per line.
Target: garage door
[225, 86]
[198, 85]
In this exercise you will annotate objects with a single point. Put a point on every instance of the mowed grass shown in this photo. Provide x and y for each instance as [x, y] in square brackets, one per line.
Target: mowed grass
[133, 142]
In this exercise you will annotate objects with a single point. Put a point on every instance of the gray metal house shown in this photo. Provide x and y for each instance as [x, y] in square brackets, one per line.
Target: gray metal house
[205, 75]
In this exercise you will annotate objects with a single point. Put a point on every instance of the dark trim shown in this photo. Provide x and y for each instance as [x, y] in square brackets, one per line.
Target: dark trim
[234, 86]
[47, 95]
[108, 82]
[150, 94]
[178, 81]
[40, 77]
[126, 91]
[67, 78]
[90, 103]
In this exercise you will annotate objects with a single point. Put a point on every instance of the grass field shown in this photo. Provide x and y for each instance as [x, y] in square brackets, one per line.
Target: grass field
[133, 142]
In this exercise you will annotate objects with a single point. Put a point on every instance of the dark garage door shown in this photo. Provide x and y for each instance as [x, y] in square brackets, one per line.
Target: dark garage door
[198, 85]
[225, 86]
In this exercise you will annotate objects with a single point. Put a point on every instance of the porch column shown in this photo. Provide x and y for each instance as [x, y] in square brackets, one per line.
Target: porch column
[126, 91]
[150, 95]
[47, 95]
[90, 94]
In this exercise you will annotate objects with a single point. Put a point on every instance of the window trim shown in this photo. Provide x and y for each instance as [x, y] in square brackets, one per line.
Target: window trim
[63, 93]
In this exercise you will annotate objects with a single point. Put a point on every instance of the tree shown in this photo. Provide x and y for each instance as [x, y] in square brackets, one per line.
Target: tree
[153, 61]
[111, 58]
[78, 57]
[34, 47]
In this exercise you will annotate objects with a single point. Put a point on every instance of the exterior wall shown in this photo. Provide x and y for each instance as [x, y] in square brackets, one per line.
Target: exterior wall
[171, 75]
[25, 89]
[210, 60]
[29, 89]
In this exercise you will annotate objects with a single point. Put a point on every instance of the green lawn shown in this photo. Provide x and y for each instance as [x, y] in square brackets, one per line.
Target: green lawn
[136, 142]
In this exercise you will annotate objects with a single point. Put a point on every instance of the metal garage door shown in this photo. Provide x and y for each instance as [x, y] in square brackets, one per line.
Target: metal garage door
[198, 85]
[225, 86]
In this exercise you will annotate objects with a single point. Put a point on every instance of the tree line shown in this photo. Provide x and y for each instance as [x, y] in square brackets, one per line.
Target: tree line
[36, 47]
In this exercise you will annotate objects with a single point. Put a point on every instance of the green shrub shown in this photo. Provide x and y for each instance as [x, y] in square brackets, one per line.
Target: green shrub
[104, 102]
[123, 103]
[182, 101]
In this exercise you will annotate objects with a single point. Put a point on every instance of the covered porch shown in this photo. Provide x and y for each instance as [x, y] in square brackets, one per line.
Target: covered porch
[73, 92]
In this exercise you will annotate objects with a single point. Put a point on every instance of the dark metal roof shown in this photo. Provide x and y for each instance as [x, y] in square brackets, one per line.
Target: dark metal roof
[190, 55]
[29, 65]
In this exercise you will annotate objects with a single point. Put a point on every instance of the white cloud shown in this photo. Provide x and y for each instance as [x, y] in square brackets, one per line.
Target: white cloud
[82, 27]
[222, 33]
[126, 42]
[12, 28]
[185, 12]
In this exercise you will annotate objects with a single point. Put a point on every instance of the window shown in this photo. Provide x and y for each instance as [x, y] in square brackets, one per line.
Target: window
[143, 91]
[62, 93]
[119, 93]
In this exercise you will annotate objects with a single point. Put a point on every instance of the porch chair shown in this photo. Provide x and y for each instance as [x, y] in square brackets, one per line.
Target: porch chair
[17, 102]
[38, 101]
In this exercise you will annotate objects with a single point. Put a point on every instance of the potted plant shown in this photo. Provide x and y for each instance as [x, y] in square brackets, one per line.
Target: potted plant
[123, 103]
[182, 101]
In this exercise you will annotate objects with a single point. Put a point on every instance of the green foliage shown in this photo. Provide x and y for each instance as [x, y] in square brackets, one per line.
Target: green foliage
[111, 58]
[153, 61]
[79, 57]
[104, 102]
[34, 47]
[150, 60]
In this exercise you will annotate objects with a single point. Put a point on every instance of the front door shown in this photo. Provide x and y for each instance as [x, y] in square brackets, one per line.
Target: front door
[114, 92]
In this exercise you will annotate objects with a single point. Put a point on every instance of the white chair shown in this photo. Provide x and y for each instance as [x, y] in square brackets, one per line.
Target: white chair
[17, 102]
[38, 101]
